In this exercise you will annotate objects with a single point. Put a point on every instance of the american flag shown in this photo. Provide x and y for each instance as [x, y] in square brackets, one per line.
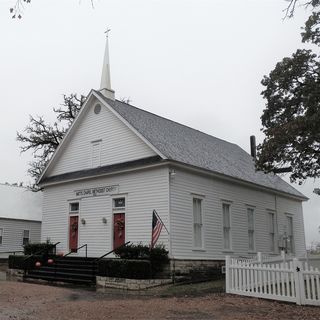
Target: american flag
[157, 225]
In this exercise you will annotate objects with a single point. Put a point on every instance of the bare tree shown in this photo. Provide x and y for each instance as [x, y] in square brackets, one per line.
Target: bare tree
[43, 138]
[18, 8]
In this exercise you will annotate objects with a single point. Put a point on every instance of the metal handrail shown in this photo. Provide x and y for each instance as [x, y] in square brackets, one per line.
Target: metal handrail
[111, 251]
[42, 250]
[95, 261]
[75, 250]
[72, 251]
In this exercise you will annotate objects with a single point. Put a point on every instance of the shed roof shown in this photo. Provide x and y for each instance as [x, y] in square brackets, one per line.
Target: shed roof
[192, 147]
[20, 203]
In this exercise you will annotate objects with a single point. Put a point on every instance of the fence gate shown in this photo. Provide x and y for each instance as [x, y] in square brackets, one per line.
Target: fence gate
[286, 281]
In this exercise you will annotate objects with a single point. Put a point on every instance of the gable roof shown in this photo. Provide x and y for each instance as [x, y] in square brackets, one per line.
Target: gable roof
[192, 147]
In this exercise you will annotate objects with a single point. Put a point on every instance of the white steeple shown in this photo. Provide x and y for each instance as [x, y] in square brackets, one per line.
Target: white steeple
[105, 86]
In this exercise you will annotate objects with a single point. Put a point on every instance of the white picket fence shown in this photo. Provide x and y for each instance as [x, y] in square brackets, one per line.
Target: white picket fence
[293, 281]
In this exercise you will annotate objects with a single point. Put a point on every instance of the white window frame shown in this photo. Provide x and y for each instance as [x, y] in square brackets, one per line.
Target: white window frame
[72, 213]
[273, 213]
[1, 236]
[118, 210]
[228, 203]
[251, 208]
[23, 237]
[93, 144]
[290, 216]
[201, 198]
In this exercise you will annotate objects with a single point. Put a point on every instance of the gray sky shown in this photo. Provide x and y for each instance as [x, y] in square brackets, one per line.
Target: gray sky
[198, 62]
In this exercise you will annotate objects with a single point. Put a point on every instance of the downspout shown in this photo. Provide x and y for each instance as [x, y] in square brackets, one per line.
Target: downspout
[277, 230]
[170, 229]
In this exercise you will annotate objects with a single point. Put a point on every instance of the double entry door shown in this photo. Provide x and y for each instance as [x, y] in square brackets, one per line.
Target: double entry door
[118, 231]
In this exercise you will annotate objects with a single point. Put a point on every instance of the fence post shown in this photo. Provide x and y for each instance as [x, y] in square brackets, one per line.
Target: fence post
[298, 281]
[259, 257]
[227, 274]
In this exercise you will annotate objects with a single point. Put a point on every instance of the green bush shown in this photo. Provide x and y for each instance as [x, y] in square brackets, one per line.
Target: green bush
[133, 251]
[44, 248]
[158, 256]
[125, 268]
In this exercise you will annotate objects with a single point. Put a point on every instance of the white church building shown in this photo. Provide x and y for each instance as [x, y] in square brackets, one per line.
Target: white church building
[117, 163]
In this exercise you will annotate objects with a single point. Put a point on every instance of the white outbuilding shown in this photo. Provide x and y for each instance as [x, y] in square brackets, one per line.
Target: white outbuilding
[20, 218]
[117, 163]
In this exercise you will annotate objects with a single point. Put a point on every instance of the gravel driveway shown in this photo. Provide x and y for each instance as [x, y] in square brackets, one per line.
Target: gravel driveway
[24, 301]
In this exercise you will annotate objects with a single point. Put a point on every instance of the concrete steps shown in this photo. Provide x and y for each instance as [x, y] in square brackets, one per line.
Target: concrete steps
[77, 270]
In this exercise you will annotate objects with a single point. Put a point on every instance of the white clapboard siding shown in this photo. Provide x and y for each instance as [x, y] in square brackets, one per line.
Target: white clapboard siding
[145, 191]
[294, 209]
[117, 143]
[13, 233]
[184, 184]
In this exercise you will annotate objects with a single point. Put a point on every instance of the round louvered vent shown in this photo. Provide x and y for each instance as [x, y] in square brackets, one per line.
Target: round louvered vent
[97, 108]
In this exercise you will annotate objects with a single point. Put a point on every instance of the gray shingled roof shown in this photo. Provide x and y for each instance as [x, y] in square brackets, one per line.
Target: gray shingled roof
[186, 145]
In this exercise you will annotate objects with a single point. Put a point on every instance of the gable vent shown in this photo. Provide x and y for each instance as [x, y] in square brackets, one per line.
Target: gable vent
[97, 108]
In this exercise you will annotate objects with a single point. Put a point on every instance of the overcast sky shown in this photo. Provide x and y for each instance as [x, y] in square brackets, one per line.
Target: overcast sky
[198, 62]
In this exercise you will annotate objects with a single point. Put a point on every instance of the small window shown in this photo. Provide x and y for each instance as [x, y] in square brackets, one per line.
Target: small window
[272, 234]
[251, 235]
[197, 223]
[26, 237]
[1, 235]
[226, 226]
[119, 203]
[74, 207]
[96, 153]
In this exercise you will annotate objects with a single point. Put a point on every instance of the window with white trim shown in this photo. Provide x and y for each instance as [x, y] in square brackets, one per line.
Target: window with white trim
[119, 203]
[272, 233]
[26, 237]
[251, 233]
[290, 238]
[226, 226]
[96, 154]
[197, 223]
[74, 207]
[1, 235]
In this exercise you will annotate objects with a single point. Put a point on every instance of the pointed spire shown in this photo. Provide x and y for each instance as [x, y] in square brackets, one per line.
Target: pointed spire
[105, 86]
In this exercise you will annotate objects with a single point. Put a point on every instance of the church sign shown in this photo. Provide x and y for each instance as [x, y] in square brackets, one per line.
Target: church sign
[97, 191]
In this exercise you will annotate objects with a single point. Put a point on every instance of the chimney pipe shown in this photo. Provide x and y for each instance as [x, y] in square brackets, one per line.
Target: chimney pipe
[253, 146]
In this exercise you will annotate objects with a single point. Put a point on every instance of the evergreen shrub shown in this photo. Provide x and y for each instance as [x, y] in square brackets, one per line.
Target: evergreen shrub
[125, 268]
[158, 255]
[43, 248]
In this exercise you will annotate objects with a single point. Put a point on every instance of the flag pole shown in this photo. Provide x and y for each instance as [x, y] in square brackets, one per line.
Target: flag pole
[156, 213]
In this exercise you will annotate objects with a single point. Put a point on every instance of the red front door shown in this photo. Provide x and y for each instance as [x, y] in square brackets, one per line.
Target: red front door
[73, 233]
[118, 230]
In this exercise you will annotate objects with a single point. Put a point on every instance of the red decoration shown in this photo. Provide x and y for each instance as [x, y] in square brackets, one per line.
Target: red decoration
[50, 261]
[38, 264]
